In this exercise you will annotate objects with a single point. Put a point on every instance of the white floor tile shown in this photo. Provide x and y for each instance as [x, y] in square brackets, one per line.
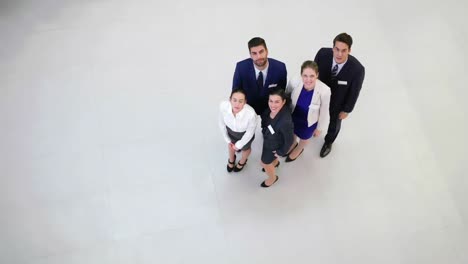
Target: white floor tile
[110, 150]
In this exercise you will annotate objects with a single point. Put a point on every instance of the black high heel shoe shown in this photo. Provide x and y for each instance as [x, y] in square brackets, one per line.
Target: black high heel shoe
[237, 169]
[287, 154]
[266, 186]
[229, 169]
[276, 166]
[288, 159]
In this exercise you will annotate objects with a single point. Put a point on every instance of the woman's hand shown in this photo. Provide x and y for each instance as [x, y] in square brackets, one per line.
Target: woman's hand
[233, 146]
[276, 155]
[316, 133]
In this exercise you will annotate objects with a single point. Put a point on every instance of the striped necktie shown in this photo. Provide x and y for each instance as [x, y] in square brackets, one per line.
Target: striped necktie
[334, 71]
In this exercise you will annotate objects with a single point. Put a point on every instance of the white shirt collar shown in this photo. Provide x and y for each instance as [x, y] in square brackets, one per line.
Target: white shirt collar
[340, 66]
[264, 71]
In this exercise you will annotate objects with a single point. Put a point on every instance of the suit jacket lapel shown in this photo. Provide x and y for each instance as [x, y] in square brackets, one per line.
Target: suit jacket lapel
[327, 66]
[270, 72]
[344, 69]
[252, 72]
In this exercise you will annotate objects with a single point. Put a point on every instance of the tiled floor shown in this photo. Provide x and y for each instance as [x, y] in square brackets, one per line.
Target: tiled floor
[110, 151]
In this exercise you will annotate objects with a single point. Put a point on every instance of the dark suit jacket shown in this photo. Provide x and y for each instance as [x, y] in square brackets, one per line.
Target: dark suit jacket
[345, 87]
[244, 77]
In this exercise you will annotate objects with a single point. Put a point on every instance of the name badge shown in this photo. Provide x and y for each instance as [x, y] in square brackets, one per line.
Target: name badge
[342, 82]
[271, 130]
[272, 85]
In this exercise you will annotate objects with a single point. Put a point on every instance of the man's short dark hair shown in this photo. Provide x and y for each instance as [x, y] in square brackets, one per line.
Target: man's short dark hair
[257, 41]
[345, 38]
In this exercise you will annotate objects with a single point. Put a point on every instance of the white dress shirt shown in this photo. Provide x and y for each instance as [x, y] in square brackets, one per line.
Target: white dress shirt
[244, 121]
[264, 71]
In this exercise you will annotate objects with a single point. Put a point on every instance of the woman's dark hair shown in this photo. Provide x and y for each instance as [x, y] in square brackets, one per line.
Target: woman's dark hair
[309, 64]
[281, 92]
[238, 90]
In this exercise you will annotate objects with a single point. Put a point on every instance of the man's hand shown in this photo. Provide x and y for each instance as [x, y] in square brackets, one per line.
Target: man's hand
[342, 115]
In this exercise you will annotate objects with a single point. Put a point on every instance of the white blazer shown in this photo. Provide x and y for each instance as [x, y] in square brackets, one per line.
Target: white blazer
[319, 105]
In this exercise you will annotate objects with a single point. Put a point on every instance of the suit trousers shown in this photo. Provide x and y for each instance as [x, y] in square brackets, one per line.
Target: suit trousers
[333, 128]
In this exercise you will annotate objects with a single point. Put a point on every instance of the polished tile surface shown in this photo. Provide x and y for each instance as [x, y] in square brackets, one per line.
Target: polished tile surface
[110, 150]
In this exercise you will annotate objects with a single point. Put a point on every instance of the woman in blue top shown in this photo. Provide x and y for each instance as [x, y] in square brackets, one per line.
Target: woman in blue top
[310, 100]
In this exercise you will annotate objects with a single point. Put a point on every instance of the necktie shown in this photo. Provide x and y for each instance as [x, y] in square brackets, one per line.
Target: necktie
[260, 81]
[334, 71]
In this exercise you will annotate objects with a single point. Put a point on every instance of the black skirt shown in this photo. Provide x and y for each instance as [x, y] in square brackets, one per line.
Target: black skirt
[236, 136]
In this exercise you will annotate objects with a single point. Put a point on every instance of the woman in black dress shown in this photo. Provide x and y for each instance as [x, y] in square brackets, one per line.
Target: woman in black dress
[278, 136]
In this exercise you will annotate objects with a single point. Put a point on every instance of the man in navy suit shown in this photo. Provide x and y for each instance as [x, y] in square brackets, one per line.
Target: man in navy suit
[258, 74]
[344, 74]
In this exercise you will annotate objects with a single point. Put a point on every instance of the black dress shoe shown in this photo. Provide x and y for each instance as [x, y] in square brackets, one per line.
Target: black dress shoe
[263, 169]
[237, 169]
[266, 186]
[229, 169]
[325, 150]
[288, 159]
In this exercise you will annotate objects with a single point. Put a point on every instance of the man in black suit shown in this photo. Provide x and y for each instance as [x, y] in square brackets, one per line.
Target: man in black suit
[344, 74]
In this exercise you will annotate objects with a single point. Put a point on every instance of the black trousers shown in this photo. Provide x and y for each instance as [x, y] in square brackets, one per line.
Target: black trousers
[333, 128]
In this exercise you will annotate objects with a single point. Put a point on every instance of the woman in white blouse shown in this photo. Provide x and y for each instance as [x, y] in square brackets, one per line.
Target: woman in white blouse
[310, 104]
[237, 121]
